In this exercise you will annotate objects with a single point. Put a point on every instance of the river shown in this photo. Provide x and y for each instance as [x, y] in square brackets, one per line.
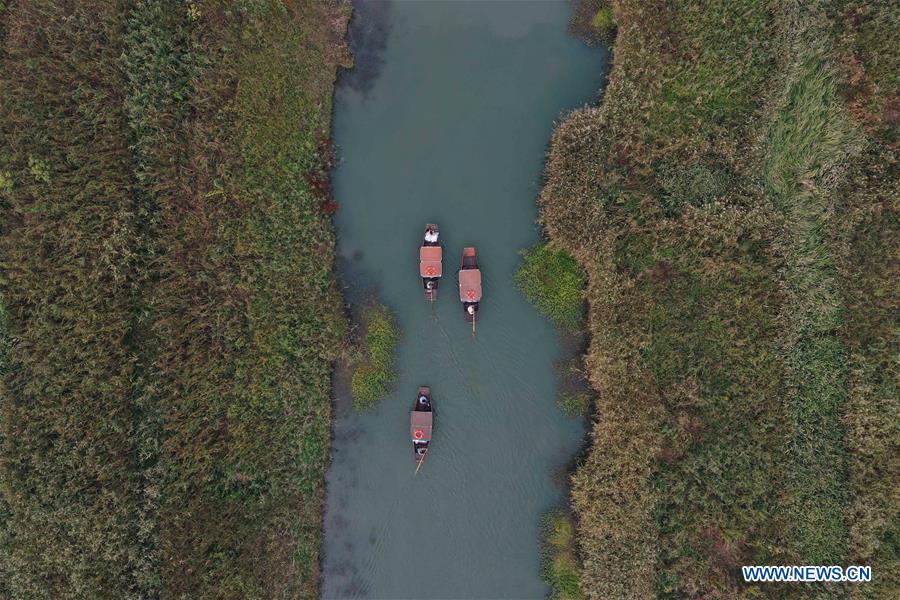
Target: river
[446, 119]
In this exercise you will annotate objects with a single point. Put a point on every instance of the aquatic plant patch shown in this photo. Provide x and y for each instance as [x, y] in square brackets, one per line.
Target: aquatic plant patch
[373, 367]
[553, 282]
[560, 568]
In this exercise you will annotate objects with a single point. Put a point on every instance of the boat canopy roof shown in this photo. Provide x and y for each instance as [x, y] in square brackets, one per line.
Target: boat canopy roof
[420, 426]
[470, 285]
[430, 261]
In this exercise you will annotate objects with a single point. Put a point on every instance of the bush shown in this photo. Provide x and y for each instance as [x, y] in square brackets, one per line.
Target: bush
[553, 282]
[374, 365]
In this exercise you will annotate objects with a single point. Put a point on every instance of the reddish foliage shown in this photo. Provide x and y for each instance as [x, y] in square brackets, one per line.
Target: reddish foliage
[725, 555]
[328, 206]
[661, 272]
[319, 179]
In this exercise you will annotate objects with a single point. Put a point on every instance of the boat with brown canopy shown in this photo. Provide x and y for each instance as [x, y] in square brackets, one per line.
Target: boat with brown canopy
[470, 285]
[430, 255]
[420, 422]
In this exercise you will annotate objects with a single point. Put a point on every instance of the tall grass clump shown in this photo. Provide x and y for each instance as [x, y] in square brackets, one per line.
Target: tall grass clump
[373, 368]
[553, 282]
[574, 404]
[594, 21]
[870, 231]
[604, 23]
[5, 563]
[560, 568]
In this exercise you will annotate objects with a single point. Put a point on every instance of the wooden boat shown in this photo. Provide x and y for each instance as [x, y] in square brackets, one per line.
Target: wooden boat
[430, 255]
[470, 285]
[420, 421]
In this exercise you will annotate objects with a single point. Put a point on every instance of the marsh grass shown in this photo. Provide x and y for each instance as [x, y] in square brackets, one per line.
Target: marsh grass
[604, 23]
[167, 277]
[552, 280]
[715, 199]
[575, 404]
[811, 144]
[560, 567]
[373, 365]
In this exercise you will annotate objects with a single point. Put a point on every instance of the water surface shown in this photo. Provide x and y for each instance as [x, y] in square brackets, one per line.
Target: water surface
[447, 120]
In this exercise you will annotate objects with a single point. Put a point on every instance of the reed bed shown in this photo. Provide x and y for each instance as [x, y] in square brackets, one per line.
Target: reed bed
[732, 201]
[170, 312]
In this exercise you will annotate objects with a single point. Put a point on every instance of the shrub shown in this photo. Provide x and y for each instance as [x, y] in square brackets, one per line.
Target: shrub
[553, 282]
[374, 365]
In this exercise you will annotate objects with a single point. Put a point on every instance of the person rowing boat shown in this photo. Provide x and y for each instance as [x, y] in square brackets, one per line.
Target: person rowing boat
[470, 285]
[430, 267]
[420, 423]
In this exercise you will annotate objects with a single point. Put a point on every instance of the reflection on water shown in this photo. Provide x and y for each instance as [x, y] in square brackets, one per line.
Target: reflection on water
[449, 124]
[367, 38]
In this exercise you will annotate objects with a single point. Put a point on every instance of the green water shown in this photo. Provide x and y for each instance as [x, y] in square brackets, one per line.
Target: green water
[447, 120]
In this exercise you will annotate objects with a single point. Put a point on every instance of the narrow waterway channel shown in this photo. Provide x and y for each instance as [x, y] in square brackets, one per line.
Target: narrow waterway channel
[446, 119]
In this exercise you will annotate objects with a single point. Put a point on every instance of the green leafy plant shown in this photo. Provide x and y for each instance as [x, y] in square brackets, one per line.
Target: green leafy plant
[560, 566]
[575, 404]
[552, 281]
[604, 23]
[374, 366]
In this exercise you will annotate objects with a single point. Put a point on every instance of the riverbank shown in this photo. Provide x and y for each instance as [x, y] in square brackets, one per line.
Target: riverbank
[730, 203]
[170, 312]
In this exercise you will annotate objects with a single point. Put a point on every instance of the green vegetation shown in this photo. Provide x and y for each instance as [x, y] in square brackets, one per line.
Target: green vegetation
[560, 567]
[171, 311]
[604, 22]
[373, 368]
[575, 404]
[733, 201]
[553, 281]
[595, 21]
[808, 145]
[69, 253]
